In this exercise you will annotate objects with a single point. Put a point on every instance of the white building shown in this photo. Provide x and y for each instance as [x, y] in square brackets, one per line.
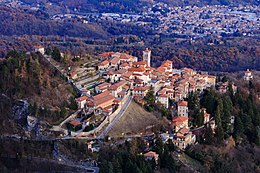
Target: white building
[164, 100]
[147, 56]
[39, 49]
[248, 75]
[183, 108]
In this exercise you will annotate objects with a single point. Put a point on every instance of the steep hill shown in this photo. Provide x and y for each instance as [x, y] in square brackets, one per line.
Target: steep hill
[30, 78]
[134, 121]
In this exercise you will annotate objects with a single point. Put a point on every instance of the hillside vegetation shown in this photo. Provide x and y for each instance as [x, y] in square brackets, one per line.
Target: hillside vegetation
[19, 22]
[135, 120]
[31, 77]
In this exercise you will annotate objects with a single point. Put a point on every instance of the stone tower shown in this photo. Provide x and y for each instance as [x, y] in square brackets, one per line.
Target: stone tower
[147, 56]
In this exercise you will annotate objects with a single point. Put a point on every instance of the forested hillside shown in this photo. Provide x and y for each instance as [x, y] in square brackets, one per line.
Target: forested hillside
[125, 6]
[18, 22]
[30, 77]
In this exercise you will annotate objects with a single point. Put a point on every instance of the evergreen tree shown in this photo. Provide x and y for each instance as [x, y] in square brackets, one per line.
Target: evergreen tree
[110, 168]
[200, 119]
[209, 136]
[238, 127]
[56, 54]
[116, 165]
[220, 134]
[150, 98]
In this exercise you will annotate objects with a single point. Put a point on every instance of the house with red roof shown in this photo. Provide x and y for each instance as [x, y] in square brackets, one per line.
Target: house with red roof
[39, 49]
[124, 66]
[74, 125]
[183, 138]
[103, 100]
[182, 134]
[102, 87]
[151, 155]
[163, 99]
[118, 87]
[105, 55]
[103, 65]
[81, 101]
[140, 91]
[179, 122]
[73, 75]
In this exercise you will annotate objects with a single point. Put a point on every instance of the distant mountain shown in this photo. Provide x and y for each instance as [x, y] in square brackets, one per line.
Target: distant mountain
[19, 22]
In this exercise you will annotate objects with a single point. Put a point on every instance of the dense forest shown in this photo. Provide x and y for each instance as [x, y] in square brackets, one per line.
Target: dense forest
[127, 158]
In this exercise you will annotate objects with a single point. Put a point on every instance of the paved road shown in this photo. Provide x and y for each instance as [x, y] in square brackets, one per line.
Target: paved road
[118, 116]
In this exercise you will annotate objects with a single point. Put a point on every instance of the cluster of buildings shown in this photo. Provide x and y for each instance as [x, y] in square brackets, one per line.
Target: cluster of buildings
[126, 75]
[182, 135]
[206, 20]
[190, 21]
[168, 83]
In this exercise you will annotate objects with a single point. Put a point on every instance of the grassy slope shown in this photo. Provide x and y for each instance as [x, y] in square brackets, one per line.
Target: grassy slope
[135, 120]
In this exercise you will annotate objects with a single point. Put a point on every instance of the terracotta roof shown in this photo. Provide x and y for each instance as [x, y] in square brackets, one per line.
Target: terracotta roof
[151, 154]
[125, 64]
[161, 69]
[214, 77]
[117, 85]
[103, 63]
[75, 123]
[122, 71]
[103, 94]
[73, 73]
[128, 74]
[117, 101]
[106, 54]
[139, 63]
[104, 99]
[125, 56]
[182, 103]
[115, 60]
[187, 69]
[179, 119]
[138, 69]
[141, 88]
[80, 99]
[110, 73]
[104, 85]
[184, 130]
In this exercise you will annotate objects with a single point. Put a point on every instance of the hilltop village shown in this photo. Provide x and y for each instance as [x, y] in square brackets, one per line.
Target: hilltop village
[125, 77]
